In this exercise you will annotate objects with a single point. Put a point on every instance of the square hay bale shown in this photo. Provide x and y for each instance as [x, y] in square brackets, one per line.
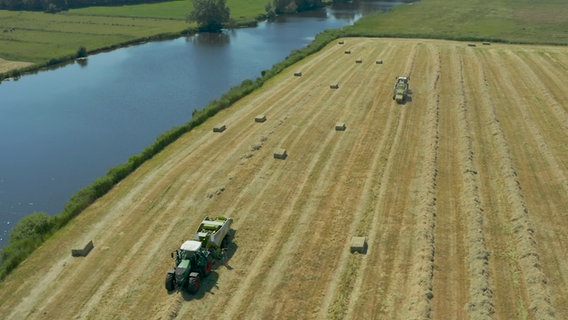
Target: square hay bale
[297, 74]
[486, 43]
[359, 60]
[340, 126]
[83, 252]
[260, 118]
[220, 128]
[341, 42]
[334, 86]
[379, 62]
[280, 153]
[471, 45]
[358, 244]
[347, 51]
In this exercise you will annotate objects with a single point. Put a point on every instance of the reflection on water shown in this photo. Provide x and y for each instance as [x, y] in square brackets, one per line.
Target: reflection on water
[211, 39]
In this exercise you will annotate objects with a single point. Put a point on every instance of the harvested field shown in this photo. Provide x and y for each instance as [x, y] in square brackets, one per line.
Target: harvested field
[459, 193]
[6, 65]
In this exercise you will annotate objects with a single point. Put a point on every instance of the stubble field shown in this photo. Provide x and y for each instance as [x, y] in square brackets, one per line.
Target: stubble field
[460, 192]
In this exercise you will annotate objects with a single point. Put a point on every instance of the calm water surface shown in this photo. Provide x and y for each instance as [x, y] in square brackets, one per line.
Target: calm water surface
[61, 129]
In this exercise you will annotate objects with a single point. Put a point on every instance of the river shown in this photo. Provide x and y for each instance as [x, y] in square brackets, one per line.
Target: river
[63, 128]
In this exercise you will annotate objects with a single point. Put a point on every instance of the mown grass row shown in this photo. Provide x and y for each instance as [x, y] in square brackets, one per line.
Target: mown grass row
[33, 230]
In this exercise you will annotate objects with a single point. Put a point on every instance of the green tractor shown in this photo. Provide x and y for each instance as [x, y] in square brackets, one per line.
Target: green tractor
[194, 259]
[193, 263]
[401, 89]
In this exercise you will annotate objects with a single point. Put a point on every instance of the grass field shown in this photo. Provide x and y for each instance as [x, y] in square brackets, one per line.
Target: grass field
[520, 21]
[460, 193]
[39, 37]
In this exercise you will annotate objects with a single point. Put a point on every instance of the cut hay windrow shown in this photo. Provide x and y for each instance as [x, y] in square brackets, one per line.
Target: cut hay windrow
[553, 104]
[343, 301]
[418, 304]
[281, 232]
[480, 305]
[345, 281]
[527, 254]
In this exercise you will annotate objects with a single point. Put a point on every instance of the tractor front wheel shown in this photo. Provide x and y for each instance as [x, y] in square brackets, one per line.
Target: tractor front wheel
[170, 285]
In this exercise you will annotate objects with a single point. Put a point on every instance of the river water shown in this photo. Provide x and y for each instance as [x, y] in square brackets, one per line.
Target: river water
[61, 129]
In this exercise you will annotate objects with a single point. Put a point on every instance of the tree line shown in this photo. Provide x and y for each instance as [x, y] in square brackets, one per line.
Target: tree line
[62, 5]
[274, 7]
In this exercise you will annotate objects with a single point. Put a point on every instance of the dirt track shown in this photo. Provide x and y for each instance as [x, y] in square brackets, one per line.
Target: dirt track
[460, 192]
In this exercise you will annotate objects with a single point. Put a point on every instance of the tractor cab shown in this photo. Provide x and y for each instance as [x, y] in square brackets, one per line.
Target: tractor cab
[187, 251]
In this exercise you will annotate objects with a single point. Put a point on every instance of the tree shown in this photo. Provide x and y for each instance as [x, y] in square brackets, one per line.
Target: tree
[210, 15]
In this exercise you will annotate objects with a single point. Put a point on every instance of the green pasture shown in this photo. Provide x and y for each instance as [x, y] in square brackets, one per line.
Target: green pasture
[39, 37]
[516, 21]
[241, 10]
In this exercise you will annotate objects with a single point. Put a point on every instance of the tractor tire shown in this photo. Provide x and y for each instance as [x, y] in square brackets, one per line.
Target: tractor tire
[206, 270]
[194, 283]
[170, 282]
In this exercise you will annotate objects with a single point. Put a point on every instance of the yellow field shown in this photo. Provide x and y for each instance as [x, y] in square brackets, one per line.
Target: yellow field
[460, 192]
[6, 65]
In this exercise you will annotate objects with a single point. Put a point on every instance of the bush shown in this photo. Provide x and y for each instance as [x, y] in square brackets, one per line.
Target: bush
[36, 224]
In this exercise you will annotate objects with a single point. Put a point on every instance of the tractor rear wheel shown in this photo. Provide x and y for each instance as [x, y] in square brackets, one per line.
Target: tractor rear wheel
[194, 283]
[206, 270]
[170, 285]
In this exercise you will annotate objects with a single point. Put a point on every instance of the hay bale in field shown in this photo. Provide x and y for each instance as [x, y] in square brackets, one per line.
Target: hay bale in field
[297, 74]
[260, 118]
[341, 42]
[347, 51]
[220, 128]
[340, 126]
[334, 86]
[471, 45]
[379, 62]
[486, 43]
[359, 60]
[280, 153]
[83, 252]
[358, 244]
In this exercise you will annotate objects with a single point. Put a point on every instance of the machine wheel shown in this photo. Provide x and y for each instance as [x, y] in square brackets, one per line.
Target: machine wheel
[194, 283]
[206, 270]
[170, 285]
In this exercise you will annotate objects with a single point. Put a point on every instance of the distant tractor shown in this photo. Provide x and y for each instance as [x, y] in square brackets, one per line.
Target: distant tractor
[194, 259]
[401, 89]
